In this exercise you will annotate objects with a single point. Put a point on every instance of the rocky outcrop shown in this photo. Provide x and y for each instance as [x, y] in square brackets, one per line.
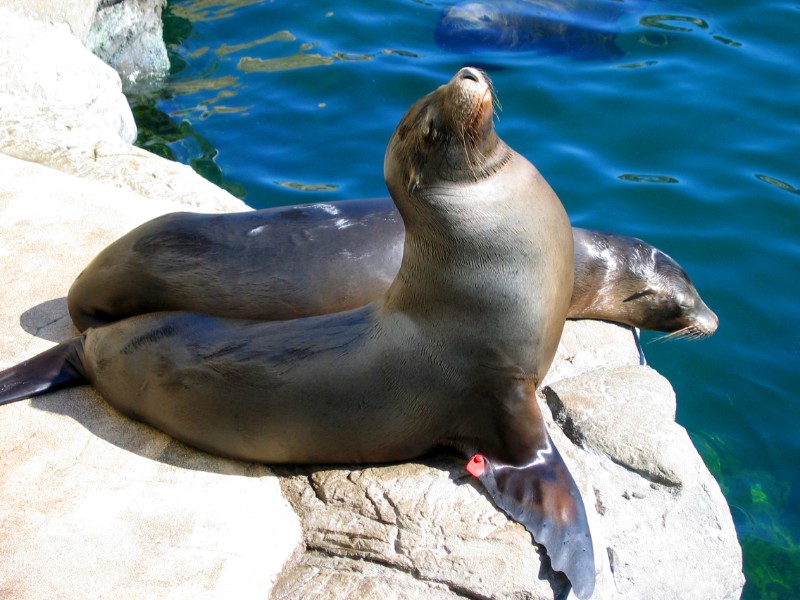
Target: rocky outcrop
[94, 505]
[63, 108]
[125, 34]
[128, 35]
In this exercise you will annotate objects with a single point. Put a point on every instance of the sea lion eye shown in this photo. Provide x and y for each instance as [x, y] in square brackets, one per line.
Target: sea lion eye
[637, 295]
[683, 301]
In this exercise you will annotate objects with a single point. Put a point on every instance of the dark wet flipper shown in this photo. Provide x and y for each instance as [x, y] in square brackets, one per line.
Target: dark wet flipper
[54, 369]
[543, 497]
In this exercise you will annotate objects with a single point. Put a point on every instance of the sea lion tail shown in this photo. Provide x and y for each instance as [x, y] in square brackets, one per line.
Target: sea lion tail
[54, 369]
[543, 497]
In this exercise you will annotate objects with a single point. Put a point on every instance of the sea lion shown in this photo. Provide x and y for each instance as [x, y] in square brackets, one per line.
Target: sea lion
[298, 261]
[451, 354]
[580, 29]
[624, 279]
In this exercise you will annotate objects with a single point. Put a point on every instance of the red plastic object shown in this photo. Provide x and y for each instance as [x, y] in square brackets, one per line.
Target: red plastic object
[476, 465]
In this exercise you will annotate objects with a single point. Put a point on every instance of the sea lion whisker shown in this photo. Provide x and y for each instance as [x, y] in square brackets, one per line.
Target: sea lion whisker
[465, 143]
[498, 107]
[690, 332]
[667, 337]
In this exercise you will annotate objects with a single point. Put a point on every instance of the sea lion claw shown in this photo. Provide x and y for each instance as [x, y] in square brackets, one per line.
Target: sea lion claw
[542, 496]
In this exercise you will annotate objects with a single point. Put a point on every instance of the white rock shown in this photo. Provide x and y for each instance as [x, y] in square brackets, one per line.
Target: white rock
[44, 69]
[77, 15]
[60, 106]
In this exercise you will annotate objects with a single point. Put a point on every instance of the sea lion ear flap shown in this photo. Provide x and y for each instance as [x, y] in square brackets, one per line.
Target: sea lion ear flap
[413, 183]
[543, 497]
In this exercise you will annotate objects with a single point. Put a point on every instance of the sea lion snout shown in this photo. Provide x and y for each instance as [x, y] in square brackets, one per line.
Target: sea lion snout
[469, 89]
[477, 79]
[469, 73]
[695, 321]
[707, 321]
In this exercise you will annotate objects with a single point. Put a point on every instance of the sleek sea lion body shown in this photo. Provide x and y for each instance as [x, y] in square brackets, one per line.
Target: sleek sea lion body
[580, 29]
[312, 259]
[451, 355]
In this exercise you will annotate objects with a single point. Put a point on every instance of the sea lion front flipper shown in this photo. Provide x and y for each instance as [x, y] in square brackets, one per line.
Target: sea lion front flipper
[543, 497]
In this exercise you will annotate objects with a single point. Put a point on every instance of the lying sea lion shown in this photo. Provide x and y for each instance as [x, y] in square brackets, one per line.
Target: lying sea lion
[452, 354]
[298, 261]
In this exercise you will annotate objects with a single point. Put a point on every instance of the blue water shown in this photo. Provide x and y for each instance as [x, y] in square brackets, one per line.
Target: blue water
[689, 139]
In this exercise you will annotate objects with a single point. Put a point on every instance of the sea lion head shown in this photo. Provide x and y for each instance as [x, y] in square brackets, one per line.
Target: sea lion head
[662, 298]
[674, 302]
[446, 136]
[629, 281]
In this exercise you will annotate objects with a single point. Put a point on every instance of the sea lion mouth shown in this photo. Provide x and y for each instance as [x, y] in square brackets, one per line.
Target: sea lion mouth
[703, 325]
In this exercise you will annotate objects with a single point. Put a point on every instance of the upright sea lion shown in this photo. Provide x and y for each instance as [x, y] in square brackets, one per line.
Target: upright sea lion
[312, 259]
[452, 353]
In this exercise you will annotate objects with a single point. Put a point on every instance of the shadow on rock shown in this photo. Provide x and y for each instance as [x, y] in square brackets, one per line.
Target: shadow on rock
[49, 320]
[87, 407]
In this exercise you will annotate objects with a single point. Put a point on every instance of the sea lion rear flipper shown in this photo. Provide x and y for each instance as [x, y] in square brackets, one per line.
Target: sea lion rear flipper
[543, 497]
[56, 368]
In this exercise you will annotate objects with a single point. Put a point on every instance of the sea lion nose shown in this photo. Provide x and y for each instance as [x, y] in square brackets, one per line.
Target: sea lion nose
[708, 321]
[470, 73]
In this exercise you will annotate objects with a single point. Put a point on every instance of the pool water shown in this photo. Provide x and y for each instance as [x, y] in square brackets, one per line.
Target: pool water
[686, 135]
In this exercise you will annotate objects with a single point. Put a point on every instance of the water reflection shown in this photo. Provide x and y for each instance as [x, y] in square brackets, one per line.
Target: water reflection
[781, 185]
[210, 10]
[680, 24]
[161, 135]
[639, 65]
[641, 178]
[281, 36]
[662, 22]
[308, 187]
[301, 60]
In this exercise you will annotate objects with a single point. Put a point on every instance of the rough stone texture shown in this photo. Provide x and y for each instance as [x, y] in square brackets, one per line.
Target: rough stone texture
[40, 65]
[95, 505]
[419, 528]
[588, 345]
[626, 413]
[77, 15]
[60, 106]
[128, 35]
